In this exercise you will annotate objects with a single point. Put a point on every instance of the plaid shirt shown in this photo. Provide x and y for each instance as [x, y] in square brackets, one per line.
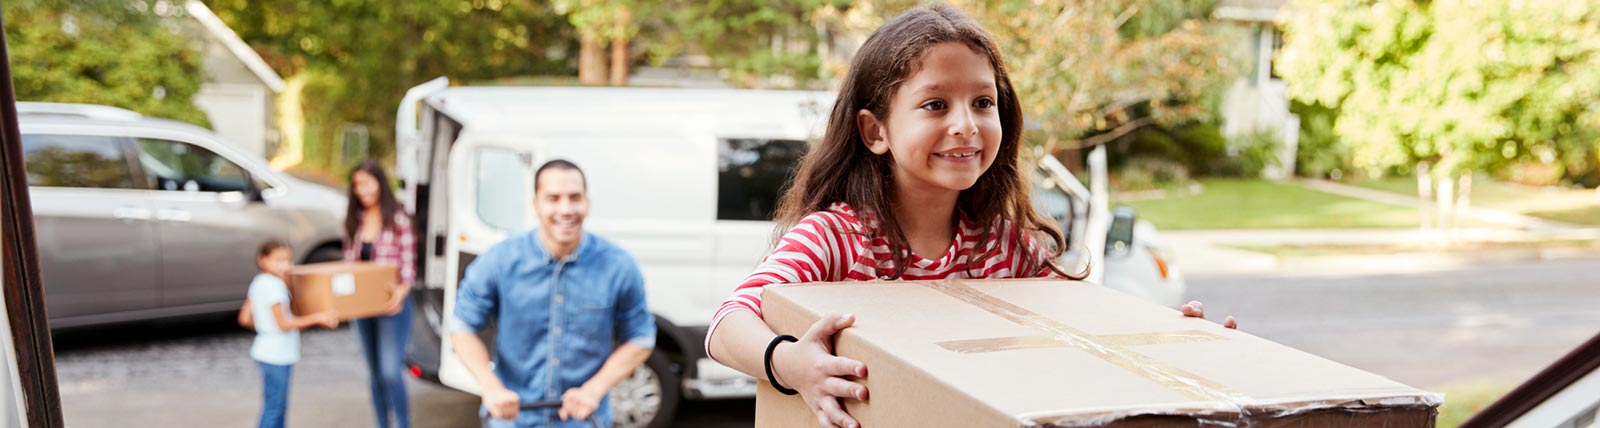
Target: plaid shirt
[395, 246]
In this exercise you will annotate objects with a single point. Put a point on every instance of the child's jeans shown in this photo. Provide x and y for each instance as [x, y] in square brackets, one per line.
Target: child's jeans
[275, 394]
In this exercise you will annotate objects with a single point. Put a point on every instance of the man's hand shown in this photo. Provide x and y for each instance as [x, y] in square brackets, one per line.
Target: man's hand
[1195, 309]
[502, 403]
[580, 402]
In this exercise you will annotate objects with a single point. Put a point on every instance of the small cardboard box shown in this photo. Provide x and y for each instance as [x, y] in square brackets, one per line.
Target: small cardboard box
[1042, 353]
[352, 289]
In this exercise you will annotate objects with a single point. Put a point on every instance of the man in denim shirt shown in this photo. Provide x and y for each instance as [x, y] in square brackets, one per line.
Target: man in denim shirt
[564, 300]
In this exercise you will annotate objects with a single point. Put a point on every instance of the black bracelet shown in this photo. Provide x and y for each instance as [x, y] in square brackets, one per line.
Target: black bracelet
[767, 361]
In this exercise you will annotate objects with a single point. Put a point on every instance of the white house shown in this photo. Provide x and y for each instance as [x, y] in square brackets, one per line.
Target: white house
[239, 88]
[1259, 100]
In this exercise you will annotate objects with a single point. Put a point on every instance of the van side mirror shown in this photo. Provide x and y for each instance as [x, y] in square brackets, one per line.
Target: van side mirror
[252, 192]
[1119, 239]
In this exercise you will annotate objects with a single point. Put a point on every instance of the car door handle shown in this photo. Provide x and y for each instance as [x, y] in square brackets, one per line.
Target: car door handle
[174, 215]
[131, 213]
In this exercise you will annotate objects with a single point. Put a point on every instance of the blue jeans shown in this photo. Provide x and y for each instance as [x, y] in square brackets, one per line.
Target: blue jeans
[383, 342]
[274, 394]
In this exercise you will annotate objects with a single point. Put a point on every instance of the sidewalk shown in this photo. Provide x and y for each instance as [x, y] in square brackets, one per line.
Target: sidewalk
[1473, 213]
[1214, 252]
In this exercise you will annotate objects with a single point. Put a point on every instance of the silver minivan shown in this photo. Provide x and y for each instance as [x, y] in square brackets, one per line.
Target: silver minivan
[139, 218]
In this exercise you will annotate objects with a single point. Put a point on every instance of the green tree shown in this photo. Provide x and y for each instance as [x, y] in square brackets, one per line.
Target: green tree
[1452, 86]
[358, 57]
[127, 54]
[1099, 69]
[753, 43]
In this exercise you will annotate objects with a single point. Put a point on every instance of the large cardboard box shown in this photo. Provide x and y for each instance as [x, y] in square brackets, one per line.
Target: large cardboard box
[1040, 353]
[352, 289]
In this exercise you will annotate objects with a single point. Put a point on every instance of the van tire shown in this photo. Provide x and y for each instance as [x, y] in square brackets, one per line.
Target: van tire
[655, 383]
[325, 253]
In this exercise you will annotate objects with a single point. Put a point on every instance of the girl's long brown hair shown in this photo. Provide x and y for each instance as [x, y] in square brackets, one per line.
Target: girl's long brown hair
[841, 169]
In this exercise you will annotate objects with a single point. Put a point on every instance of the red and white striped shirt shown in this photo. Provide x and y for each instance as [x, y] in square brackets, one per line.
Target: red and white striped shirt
[834, 245]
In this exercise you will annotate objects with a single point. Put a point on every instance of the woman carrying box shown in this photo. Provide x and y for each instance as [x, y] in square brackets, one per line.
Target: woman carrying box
[377, 230]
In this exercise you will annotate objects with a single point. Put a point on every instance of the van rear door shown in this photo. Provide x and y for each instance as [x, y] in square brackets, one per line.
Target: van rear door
[490, 188]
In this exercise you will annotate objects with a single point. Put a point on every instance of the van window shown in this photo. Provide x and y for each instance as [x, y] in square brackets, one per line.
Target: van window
[76, 161]
[752, 174]
[177, 166]
[502, 183]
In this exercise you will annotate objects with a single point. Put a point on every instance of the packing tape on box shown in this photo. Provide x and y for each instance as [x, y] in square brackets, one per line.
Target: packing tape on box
[1056, 334]
[978, 346]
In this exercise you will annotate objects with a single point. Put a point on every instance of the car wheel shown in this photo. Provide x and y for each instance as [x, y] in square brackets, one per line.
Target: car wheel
[325, 254]
[649, 398]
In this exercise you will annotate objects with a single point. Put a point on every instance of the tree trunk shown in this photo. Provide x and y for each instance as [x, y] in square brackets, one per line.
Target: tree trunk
[1464, 196]
[1445, 213]
[1425, 194]
[591, 61]
[619, 49]
[619, 62]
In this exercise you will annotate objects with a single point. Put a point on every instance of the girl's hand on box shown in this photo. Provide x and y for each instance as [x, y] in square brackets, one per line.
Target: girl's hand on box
[1195, 309]
[810, 367]
[328, 319]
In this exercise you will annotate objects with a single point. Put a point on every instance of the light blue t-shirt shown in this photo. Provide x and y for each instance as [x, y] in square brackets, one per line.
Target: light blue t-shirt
[272, 345]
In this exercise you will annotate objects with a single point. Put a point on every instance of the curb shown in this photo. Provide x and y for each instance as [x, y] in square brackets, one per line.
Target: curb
[1398, 263]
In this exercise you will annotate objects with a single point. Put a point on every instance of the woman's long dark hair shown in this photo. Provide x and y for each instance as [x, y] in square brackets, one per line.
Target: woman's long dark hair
[386, 201]
[841, 169]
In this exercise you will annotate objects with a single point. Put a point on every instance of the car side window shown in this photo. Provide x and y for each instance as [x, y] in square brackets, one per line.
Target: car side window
[178, 166]
[752, 173]
[88, 161]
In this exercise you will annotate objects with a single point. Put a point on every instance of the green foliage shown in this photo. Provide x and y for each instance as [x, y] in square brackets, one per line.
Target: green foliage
[362, 55]
[1204, 146]
[754, 43]
[1146, 173]
[1198, 147]
[1252, 153]
[1464, 84]
[1082, 68]
[1321, 153]
[128, 54]
[1160, 17]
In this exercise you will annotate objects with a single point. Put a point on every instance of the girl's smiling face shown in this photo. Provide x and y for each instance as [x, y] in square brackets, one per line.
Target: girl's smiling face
[943, 128]
[278, 262]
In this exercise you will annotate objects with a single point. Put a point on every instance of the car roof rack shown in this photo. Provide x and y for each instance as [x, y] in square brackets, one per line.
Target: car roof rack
[86, 111]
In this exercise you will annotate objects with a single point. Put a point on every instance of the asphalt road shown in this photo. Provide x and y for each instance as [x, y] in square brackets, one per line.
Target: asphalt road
[1496, 324]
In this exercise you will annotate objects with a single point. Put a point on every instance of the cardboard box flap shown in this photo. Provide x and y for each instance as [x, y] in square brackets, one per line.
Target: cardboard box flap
[1045, 352]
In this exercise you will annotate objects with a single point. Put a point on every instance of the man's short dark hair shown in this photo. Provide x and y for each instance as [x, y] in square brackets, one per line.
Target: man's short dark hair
[558, 164]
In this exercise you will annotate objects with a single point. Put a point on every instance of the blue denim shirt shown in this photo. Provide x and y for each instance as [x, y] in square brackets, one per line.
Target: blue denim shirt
[557, 320]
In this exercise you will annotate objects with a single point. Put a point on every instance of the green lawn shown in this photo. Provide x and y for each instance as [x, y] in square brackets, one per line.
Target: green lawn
[1463, 401]
[1263, 204]
[1578, 206]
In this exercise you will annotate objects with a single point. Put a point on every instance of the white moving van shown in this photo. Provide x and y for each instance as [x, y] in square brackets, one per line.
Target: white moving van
[685, 180]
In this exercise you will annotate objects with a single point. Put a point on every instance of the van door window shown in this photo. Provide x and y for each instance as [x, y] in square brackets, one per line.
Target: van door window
[503, 194]
[752, 173]
[90, 161]
[175, 166]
